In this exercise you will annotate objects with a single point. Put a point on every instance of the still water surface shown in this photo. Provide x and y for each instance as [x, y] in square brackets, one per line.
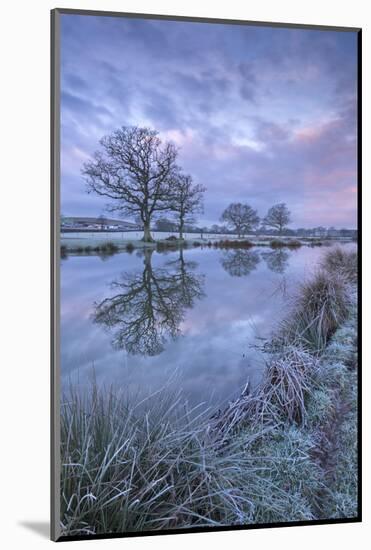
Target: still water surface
[136, 320]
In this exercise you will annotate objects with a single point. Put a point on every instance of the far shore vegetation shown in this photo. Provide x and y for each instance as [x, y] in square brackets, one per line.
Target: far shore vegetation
[90, 245]
[284, 451]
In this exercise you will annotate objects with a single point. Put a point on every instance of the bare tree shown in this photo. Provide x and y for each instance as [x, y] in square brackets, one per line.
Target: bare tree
[278, 217]
[186, 200]
[102, 221]
[240, 218]
[134, 168]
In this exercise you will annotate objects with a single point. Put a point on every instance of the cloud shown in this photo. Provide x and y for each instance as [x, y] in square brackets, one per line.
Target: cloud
[260, 114]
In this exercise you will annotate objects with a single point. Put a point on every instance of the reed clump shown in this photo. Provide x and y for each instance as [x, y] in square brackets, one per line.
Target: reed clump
[322, 306]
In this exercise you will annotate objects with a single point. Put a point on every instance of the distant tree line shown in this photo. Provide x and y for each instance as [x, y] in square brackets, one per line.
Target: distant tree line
[243, 219]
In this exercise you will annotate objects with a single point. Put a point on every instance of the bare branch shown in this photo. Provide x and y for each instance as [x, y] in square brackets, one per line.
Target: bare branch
[240, 218]
[134, 169]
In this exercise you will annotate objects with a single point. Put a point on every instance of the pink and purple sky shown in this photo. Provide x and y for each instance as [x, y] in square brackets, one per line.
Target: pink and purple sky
[261, 114]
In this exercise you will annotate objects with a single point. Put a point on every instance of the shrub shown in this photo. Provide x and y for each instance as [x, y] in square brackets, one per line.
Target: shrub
[233, 244]
[293, 244]
[275, 243]
[110, 247]
[163, 246]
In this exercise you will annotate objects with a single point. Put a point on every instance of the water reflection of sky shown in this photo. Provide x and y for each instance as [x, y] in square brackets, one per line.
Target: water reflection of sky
[213, 354]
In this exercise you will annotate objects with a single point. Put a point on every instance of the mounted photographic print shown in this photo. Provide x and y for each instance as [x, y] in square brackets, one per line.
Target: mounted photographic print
[205, 300]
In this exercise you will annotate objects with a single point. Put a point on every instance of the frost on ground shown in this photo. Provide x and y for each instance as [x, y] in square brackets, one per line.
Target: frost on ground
[337, 382]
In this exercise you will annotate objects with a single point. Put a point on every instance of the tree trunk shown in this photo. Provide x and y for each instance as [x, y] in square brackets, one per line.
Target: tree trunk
[147, 237]
[181, 258]
[181, 225]
[147, 261]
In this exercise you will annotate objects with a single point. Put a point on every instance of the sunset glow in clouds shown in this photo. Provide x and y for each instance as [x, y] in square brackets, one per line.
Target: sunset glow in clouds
[261, 115]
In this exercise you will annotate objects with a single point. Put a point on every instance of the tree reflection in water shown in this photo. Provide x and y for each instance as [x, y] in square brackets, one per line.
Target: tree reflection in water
[148, 306]
[277, 260]
[240, 262]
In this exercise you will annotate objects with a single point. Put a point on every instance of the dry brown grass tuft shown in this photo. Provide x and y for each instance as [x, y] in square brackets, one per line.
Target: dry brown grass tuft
[279, 398]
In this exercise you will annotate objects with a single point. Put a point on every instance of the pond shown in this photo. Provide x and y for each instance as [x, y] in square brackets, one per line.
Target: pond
[192, 320]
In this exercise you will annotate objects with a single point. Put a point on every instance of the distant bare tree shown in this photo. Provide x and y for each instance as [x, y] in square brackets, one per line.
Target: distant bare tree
[164, 224]
[134, 168]
[102, 221]
[240, 217]
[278, 217]
[215, 228]
[186, 200]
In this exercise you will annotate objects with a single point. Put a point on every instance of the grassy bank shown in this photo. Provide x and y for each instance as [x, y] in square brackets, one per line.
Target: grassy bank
[283, 452]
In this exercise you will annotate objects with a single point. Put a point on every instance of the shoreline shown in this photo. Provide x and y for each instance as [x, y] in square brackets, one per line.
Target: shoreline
[90, 244]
